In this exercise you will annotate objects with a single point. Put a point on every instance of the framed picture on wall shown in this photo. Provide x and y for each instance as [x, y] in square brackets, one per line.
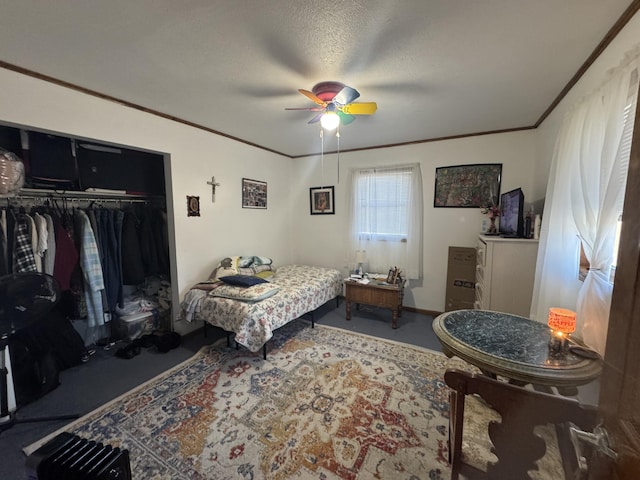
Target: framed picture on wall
[473, 186]
[193, 206]
[321, 201]
[254, 193]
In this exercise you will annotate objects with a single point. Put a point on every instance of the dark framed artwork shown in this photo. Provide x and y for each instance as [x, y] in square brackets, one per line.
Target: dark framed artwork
[321, 201]
[473, 186]
[254, 193]
[193, 206]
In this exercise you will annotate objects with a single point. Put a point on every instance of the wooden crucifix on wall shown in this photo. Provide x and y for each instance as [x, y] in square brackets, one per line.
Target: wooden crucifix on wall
[213, 188]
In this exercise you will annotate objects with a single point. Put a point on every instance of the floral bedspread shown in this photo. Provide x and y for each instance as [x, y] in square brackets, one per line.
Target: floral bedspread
[303, 288]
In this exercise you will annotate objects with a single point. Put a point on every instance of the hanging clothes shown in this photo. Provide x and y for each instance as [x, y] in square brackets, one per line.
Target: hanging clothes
[91, 252]
[148, 246]
[132, 267]
[92, 271]
[161, 238]
[110, 259]
[23, 259]
[50, 253]
[42, 235]
[66, 259]
[4, 265]
[118, 218]
[12, 219]
[34, 242]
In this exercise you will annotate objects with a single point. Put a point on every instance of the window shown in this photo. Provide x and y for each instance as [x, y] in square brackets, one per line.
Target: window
[386, 217]
[383, 200]
[624, 151]
[585, 265]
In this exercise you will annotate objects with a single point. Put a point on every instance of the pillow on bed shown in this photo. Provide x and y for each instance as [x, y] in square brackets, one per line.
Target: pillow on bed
[266, 274]
[253, 270]
[245, 265]
[242, 280]
[227, 266]
[255, 293]
[253, 261]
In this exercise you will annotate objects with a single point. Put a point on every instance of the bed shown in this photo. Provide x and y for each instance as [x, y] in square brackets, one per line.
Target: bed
[252, 311]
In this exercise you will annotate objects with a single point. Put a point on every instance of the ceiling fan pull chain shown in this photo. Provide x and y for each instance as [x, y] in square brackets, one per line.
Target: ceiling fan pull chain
[322, 152]
[338, 136]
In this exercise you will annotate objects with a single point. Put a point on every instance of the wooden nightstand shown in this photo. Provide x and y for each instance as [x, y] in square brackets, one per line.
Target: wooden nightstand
[377, 295]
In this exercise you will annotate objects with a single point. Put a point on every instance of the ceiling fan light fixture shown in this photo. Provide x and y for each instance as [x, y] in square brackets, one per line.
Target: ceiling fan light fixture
[330, 120]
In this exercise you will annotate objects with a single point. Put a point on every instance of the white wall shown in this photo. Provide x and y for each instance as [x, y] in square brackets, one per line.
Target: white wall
[198, 243]
[322, 239]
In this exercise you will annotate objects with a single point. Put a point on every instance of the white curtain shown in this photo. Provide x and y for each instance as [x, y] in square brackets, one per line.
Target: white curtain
[584, 199]
[386, 218]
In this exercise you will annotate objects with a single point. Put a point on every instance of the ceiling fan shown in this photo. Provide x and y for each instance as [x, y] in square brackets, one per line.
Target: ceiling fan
[335, 105]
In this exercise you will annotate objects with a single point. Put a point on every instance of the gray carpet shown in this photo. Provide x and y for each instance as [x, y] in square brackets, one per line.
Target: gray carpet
[105, 376]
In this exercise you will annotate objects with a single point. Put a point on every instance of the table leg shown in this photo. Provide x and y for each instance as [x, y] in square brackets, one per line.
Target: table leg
[394, 318]
[456, 416]
[348, 310]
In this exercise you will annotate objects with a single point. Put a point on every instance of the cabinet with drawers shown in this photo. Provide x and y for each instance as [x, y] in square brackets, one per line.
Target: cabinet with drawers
[505, 271]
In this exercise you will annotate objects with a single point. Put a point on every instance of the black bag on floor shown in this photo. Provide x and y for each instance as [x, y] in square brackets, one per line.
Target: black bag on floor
[35, 372]
[65, 341]
[40, 352]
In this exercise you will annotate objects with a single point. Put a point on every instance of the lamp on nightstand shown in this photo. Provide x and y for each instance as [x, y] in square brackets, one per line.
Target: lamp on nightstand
[361, 257]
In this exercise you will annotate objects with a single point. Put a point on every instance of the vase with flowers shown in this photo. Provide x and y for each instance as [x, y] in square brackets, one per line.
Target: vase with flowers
[493, 212]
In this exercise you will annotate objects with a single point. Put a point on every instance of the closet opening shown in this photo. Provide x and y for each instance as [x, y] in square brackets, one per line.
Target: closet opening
[97, 220]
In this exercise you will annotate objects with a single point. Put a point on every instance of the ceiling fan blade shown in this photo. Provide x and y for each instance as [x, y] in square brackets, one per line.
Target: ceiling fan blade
[312, 96]
[313, 109]
[364, 108]
[316, 119]
[345, 118]
[345, 96]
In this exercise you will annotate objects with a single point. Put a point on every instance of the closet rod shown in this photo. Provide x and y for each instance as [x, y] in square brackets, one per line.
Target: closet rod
[85, 194]
[36, 198]
[33, 193]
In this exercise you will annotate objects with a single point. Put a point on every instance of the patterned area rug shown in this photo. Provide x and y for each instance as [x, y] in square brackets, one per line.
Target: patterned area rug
[327, 404]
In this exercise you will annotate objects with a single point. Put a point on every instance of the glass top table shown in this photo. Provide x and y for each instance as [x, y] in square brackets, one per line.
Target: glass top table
[501, 344]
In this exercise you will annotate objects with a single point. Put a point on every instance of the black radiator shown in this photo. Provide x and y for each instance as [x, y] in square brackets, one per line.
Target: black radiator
[69, 457]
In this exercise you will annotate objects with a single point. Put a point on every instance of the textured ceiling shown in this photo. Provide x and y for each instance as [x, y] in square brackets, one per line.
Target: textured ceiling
[436, 68]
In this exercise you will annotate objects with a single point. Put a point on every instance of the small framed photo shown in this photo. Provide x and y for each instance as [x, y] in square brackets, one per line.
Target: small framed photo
[193, 206]
[321, 200]
[254, 193]
[394, 277]
[390, 276]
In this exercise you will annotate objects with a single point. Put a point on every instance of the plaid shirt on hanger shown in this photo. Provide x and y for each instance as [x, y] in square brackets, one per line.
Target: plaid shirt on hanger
[23, 259]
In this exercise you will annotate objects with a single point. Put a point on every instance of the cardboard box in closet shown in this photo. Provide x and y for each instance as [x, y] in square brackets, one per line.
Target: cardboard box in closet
[461, 278]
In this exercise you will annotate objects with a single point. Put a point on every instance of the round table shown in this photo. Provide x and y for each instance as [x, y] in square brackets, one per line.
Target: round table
[501, 344]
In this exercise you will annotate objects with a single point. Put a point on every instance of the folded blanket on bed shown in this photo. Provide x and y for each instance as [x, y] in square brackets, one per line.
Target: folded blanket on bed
[254, 293]
[206, 286]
